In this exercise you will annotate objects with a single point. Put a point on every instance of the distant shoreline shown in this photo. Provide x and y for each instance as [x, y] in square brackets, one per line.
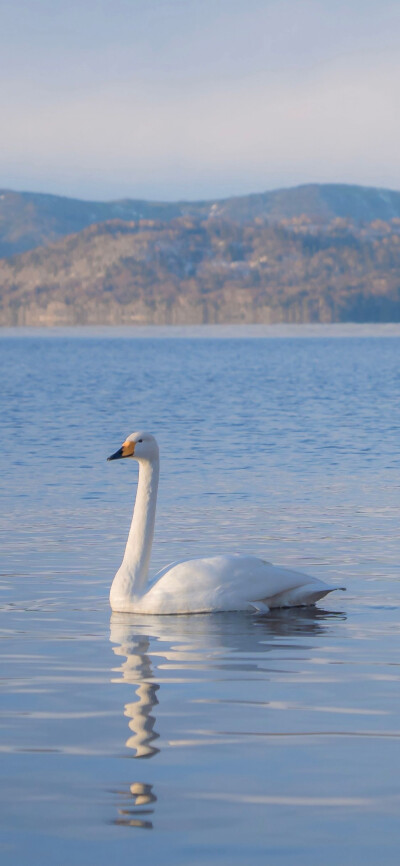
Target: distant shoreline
[278, 331]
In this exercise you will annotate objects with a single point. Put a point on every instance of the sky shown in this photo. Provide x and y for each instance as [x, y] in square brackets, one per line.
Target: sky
[194, 99]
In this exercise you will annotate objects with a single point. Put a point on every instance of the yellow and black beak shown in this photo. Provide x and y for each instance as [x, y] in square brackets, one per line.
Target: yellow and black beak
[126, 450]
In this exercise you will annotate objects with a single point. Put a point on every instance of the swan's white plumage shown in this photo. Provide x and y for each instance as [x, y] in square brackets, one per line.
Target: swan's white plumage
[217, 583]
[227, 582]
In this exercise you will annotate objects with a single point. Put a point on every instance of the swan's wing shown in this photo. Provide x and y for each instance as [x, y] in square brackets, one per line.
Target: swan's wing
[229, 582]
[256, 582]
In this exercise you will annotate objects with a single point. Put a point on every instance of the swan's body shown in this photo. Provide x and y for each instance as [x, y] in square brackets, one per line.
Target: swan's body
[218, 583]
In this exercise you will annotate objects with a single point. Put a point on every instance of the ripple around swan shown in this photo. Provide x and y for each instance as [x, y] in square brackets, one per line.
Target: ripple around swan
[231, 738]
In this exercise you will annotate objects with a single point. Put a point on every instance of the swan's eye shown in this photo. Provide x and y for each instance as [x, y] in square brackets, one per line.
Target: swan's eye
[140, 440]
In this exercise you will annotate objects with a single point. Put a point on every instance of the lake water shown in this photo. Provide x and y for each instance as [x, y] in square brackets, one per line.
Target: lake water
[215, 739]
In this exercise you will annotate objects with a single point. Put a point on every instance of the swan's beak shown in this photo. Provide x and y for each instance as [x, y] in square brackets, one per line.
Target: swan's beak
[126, 450]
[116, 456]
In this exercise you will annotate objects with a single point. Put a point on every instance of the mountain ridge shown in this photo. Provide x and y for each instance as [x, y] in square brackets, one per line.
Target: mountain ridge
[29, 220]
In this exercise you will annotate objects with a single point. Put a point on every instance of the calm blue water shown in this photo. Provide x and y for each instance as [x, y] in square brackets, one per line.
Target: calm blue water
[222, 739]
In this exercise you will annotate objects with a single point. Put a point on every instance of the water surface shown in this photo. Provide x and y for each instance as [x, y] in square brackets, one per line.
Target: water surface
[220, 739]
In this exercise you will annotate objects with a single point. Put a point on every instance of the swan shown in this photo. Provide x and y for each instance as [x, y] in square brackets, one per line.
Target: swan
[229, 582]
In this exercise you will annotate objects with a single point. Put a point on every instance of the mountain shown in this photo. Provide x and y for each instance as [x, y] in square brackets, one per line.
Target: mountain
[29, 220]
[191, 270]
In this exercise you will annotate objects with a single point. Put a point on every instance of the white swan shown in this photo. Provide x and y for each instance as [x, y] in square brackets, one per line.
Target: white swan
[219, 583]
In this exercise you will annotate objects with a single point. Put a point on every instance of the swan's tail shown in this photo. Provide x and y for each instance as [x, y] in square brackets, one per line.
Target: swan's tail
[300, 596]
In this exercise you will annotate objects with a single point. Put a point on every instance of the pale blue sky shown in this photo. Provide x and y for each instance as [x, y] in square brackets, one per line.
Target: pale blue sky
[198, 98]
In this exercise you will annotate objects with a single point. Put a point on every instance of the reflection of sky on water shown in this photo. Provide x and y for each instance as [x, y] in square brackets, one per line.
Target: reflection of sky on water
[238, 738]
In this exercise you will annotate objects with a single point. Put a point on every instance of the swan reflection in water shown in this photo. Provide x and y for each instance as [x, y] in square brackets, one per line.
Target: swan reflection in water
[198, 642]
[137, 669]
[131, 813]
[137, 797]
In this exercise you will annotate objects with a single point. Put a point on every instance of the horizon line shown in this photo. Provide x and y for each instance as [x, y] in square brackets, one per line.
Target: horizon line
[5, 190]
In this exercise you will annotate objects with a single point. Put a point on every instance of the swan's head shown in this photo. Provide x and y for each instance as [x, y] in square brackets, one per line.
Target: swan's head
[139, 446]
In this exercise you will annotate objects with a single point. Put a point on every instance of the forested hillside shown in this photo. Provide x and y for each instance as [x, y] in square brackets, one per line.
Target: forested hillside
[193, 270]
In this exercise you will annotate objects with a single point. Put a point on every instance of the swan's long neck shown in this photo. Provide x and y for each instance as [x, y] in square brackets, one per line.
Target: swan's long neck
[131, 577]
